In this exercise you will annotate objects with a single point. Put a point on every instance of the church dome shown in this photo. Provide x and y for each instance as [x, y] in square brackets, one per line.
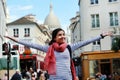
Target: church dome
[51, 20]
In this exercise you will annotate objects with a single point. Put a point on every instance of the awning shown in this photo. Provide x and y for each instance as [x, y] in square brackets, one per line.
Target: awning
[31, 56]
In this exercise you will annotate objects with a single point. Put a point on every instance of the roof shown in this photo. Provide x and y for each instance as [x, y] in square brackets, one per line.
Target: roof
[29, 19]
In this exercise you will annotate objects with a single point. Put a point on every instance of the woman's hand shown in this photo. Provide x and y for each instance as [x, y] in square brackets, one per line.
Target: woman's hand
[11, 38]
[108, 33]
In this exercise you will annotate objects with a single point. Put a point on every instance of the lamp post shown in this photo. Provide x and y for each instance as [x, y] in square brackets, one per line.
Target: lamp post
[7, 52]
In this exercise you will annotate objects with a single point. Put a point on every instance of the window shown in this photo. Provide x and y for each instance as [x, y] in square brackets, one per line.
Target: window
[96, 42]
[113, 19]
[116, 65]
[16, 32]
[95, 21]
[27, 32]
[96, 46]
[94, 1]
[112, 0]
[93, 67]
[15, 47]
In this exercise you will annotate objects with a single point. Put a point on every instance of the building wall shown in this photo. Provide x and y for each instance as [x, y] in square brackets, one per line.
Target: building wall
[2, 23]
[75, 33]
[36, 35]
[103, 9]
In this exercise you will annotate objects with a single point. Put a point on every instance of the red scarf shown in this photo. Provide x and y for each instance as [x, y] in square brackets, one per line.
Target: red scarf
[50, 61]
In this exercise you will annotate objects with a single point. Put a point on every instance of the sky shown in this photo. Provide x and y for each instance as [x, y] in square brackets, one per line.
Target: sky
[63, 9]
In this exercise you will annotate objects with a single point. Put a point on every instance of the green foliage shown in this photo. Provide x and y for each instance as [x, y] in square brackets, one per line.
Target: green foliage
[116, 44]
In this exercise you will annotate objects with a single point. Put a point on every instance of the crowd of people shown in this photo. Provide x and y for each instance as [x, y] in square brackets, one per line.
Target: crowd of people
[28, 75]
[35, 75]
[102, 76]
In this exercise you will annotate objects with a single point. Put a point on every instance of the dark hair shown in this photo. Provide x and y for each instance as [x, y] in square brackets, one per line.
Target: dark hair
[54, 33]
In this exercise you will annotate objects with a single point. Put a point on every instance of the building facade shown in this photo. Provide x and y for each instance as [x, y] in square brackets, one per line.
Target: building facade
[75, 32]
[26, 28]
[96, 17]
[3, 28]
[3, 31]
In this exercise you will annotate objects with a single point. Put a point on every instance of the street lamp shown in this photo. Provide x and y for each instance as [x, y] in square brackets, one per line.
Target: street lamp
[7, 48]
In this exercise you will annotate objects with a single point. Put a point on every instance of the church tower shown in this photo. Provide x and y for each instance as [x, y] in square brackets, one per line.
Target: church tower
[51, 20]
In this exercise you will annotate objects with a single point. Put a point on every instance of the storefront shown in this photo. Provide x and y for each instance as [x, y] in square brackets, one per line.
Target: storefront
[31, 60]
[105, 62]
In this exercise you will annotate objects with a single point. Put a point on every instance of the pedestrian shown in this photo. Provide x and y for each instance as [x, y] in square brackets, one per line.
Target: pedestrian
[5, 77]
[57, 60]
[28, 73]
[17, 76]
[39, 73]
[33, 76]
[46, 75]
[42, 76]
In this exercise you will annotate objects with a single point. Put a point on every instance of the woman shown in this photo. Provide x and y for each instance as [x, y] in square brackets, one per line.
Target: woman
[57, 60]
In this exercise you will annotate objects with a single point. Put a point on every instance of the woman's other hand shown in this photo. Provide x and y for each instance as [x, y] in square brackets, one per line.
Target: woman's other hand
[107, 33]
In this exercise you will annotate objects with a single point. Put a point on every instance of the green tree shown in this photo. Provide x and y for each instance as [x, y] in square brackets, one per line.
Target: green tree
[116, 44]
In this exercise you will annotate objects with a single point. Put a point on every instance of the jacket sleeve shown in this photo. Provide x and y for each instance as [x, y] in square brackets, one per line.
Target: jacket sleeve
[34, 45]
[80, 44]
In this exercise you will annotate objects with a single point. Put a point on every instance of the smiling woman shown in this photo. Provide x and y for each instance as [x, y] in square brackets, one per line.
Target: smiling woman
[58, 36]
[58, 60]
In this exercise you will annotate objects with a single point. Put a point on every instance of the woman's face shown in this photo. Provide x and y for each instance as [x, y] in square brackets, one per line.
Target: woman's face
[60, 37]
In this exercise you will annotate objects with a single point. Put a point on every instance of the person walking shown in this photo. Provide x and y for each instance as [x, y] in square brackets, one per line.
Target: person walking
[57, 60]
[16, 76]
[28, 73]
[5, 77]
